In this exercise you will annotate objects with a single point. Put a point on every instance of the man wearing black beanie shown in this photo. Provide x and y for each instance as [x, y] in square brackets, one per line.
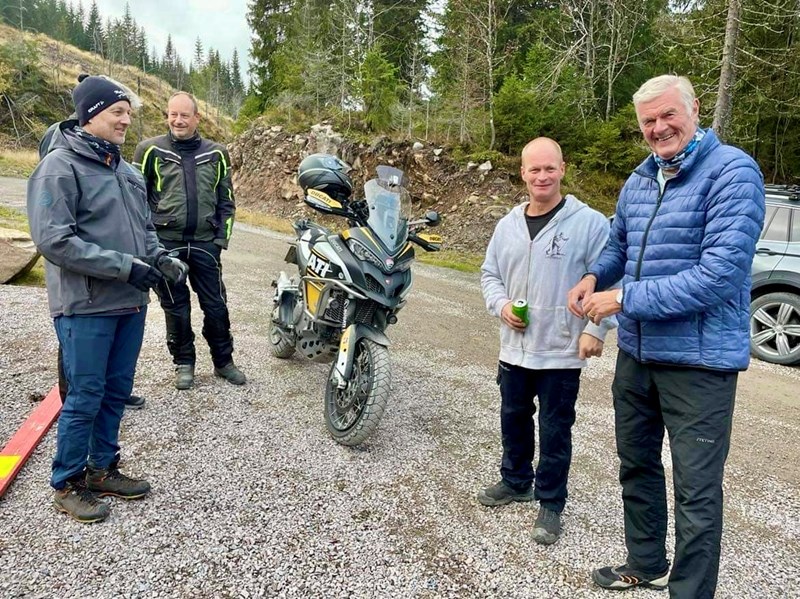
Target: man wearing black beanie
[89, 218]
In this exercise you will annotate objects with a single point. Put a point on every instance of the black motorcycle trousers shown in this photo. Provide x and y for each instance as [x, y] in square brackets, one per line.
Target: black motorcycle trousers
[205, 277]
[696, 408]
[557, 393]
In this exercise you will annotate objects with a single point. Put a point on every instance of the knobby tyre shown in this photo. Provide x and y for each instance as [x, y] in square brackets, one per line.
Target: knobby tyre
[352, 414]
[281, 346]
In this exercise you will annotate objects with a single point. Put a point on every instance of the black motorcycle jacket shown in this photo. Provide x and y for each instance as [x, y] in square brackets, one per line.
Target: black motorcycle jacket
[188, 187]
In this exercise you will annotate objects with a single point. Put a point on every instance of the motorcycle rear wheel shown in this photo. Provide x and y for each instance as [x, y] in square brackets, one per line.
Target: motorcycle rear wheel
[281, 346]
[352, 414]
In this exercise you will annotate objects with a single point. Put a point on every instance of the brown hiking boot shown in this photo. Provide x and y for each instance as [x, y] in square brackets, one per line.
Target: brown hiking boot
[110, 481]
[79, 503]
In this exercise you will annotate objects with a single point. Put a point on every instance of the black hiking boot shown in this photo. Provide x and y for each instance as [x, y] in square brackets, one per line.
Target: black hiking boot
[231, 373]
[501, 494]
[548, 526]
[134, 402]
[184, 376]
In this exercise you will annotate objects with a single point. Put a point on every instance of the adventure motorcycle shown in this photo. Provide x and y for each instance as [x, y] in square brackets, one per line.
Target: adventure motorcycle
[350, 287]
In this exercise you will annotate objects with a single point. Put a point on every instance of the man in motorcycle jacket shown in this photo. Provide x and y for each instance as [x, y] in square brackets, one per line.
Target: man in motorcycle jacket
[191, 195]
[537, 252]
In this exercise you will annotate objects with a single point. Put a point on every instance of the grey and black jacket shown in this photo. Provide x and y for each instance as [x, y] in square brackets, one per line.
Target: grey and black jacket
[88, 219]
[189, 190]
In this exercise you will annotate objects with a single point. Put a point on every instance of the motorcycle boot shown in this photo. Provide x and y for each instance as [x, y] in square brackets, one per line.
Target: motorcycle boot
[184, 376]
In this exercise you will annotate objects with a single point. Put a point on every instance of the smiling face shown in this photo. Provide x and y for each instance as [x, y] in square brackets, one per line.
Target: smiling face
[542, 170]
[667, 123]
[112, 123]
[182, 117]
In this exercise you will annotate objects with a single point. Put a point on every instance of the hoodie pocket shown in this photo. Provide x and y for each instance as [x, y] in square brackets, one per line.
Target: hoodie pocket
[548, 330]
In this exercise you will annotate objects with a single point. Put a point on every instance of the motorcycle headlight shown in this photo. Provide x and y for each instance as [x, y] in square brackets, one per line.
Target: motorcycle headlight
[361, 252]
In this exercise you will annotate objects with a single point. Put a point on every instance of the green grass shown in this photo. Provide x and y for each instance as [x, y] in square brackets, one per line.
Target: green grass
[13, 219]
[462, 261]
[259, 219]
[18, 163]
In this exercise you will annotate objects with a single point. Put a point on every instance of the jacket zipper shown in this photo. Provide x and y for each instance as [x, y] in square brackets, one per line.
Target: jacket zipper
[641, 252]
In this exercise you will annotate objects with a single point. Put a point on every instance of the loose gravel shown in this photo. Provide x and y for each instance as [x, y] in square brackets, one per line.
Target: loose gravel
[253, 499]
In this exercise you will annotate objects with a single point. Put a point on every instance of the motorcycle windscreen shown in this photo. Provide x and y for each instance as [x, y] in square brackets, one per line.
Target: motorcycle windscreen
[389, 211]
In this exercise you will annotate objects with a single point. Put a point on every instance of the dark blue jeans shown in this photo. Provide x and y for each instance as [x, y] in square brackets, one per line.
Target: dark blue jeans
[557, 392]
[99, 355]
[696, 408]
[205, 275]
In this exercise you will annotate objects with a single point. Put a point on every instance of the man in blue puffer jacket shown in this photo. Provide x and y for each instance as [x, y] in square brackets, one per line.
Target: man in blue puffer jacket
[684, 235]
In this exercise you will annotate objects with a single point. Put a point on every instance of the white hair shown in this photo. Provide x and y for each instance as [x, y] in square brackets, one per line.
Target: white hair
[653, 88]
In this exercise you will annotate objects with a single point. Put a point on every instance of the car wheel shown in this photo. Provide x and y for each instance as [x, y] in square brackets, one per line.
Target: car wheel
[775, 328]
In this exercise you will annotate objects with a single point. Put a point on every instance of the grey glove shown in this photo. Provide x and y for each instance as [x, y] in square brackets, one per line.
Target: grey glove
[173, 269]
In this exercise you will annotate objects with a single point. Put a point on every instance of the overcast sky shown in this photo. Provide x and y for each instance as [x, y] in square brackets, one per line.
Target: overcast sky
[221, 24]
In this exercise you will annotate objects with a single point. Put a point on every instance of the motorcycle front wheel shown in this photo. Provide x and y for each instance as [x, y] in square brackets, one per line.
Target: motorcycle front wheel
[352, 414]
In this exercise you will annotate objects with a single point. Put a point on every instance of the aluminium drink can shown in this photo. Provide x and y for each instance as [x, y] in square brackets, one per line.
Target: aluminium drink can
[520, 309]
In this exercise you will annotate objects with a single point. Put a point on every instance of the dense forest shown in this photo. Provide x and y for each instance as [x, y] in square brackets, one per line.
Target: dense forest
[484, 76]
[491, 74]
[124, 41]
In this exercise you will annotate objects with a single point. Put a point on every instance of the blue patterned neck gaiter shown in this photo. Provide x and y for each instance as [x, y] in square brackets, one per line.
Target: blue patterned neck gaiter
[674, 163]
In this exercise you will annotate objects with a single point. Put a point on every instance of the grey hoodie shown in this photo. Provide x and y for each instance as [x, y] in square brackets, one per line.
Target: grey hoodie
[542, 271]
[89, 220]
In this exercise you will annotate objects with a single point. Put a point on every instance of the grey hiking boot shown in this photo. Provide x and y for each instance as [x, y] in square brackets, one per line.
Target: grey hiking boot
[110, 481]
[184, 376]
[501, 494]
[230, 373]
[79, 503]
[548, 526]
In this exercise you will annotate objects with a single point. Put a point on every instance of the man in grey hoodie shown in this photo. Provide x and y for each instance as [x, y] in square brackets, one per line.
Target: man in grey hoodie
[537, 252]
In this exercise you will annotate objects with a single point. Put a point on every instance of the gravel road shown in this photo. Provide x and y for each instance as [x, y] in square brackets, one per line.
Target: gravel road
[253, 499]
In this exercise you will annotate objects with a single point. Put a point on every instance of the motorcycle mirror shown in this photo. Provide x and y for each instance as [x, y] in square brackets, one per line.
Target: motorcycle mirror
[432, 218]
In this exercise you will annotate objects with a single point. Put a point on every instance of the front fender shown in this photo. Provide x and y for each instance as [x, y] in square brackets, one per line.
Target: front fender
[347, 345]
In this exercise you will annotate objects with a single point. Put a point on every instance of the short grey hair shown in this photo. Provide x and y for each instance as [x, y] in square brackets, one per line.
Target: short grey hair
[653, 88]
[188, 95]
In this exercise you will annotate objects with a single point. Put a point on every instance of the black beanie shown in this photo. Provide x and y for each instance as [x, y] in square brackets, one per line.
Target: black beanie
[94, 94]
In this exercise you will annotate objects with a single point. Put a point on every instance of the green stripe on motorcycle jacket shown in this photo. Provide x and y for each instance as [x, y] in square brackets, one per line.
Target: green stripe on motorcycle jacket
[228, 227]
[220, 173]
[155, 167]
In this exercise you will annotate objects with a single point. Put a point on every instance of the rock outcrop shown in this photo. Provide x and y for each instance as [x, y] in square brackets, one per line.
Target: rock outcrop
[470, 200]
[18, 254]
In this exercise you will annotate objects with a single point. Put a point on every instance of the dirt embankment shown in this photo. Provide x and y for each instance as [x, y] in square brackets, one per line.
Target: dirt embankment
[470, 198]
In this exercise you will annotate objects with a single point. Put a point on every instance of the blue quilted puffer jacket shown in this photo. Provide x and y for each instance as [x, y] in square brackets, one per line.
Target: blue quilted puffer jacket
[686, 255]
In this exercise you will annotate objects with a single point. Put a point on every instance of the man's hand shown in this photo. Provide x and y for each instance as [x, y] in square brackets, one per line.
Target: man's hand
[578, 295]
[173, 269]
[510, 319]
[589, 346]
[143, 276]
[601, 304]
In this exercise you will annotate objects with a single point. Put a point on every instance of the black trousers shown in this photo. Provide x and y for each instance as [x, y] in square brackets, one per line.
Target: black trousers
[205, 276]
[696, 408]
[557, 392]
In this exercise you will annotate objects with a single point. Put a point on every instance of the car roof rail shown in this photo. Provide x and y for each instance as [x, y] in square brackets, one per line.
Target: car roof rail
[790, 192]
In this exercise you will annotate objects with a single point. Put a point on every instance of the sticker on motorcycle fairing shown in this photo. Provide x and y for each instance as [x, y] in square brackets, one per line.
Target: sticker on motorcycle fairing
[318, 266]
[430, 238]
[323, 197]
